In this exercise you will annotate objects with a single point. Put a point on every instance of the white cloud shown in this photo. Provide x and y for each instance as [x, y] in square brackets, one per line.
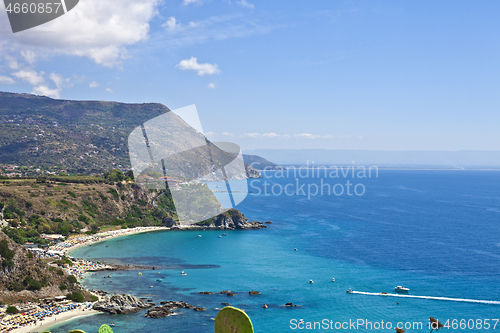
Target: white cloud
[211, 85]
[210, 133]
[29, 56]
[252, 135]
[306, 135]
[99, 30]
[287, 136]
[172, 25]
[93, 84]
[40, 86]
[228, 134]
[314, 136]
[187, 2]
[109, 90]
[46, 91]
[192, 64]
[243, 3]
[6, 80]
[30, 76]
[214, 28]
[60, 81]
[13, 64]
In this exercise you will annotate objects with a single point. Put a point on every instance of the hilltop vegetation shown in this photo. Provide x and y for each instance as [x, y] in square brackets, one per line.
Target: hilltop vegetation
[39, 134]
[66, 205]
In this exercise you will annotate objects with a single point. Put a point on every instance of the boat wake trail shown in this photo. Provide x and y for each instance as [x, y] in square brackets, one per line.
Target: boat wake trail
[429, 297]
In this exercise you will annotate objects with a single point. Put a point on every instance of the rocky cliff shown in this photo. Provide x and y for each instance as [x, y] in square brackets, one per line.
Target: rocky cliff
[25, 277]
[232, 219]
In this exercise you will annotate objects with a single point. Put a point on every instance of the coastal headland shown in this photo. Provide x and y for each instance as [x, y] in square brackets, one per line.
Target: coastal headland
[66, 310]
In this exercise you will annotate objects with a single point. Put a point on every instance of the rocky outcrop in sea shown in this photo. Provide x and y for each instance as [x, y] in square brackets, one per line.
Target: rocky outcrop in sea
[167, 308]
[121, 304]
[234, 219]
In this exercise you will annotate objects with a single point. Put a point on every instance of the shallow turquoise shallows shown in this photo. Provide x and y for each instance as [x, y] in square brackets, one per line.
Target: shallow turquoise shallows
[435, 232]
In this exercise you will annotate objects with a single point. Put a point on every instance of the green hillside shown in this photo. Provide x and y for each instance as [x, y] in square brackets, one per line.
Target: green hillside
[75, 136]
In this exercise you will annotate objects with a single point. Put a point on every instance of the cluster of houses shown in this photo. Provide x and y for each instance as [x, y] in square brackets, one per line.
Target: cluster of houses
[11, 170]
[42, 251]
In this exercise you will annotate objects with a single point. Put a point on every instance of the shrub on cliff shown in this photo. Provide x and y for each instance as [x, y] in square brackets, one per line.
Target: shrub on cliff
[75, 297]
[11, 310]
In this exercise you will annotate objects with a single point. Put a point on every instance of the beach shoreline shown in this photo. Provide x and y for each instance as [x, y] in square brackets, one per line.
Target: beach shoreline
[79, 241]
[75, 243]
[49, 322]
[65, 248]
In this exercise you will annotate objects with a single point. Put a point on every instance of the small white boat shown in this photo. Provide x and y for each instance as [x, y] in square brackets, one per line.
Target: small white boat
[333, 280]
[159, 280]
[400, 289]
[311, 281]
[184, 274]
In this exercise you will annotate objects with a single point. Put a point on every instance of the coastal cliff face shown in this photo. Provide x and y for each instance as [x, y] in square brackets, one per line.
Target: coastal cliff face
[25, 277]
[233, 219]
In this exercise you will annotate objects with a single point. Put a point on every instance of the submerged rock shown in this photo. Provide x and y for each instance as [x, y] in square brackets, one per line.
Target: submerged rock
[200, 308]
[254, 292]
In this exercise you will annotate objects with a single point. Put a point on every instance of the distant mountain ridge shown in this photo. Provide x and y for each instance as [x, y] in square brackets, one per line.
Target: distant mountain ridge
[462, 159]
[74, 136]
[260, 163]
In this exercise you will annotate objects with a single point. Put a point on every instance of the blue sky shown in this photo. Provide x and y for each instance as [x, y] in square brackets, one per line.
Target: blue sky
[388, 75]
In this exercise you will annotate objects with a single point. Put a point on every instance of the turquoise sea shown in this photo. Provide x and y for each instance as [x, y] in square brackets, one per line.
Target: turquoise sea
[435, 232]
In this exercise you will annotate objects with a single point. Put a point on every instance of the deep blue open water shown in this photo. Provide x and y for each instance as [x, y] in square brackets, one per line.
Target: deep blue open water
[435, 232]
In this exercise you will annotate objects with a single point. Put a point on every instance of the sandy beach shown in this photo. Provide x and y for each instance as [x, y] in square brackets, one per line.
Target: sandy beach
[75, 242]
[51, 321]
[65, 247]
